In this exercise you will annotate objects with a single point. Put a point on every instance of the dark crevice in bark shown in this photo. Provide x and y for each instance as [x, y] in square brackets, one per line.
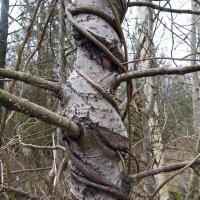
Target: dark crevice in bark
[96, 53]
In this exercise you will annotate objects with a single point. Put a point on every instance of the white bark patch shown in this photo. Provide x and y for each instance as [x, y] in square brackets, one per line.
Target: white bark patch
[85, 101]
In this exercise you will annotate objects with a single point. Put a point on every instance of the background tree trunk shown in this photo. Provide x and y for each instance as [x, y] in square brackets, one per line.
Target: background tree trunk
[152, 144]
[193, 188]
[3, 38]
[145, 49]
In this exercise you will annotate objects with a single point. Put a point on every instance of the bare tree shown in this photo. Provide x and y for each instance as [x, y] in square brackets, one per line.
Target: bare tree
[95, 142]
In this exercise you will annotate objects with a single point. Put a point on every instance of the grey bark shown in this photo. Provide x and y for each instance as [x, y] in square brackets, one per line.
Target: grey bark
[63, 71]
[193, 188]
[146, 50]
[96, 169]
[152, 144]
[3, 38]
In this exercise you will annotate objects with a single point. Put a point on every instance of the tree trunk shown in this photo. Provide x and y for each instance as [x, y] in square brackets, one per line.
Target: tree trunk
[3, 38]
[152, 144]
[145, 28]
[193, 189]
[96, 169]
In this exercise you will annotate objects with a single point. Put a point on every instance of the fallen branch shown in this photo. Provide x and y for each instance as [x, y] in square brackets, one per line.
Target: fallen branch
[155, 72]
[164, 9]
[30, 79]
[33, 110]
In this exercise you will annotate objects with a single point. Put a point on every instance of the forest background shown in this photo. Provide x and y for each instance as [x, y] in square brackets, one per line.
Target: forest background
[38, 48]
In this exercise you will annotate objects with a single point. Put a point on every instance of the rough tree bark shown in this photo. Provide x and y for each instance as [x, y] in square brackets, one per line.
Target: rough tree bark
[96, 158]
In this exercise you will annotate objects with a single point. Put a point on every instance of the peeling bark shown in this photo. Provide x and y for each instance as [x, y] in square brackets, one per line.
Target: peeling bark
[96, 169]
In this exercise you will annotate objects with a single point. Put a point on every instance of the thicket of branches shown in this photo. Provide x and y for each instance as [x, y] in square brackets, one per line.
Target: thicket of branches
[37, 52]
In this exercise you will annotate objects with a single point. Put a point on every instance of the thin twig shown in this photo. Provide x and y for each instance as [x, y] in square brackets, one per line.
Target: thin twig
[160, 58]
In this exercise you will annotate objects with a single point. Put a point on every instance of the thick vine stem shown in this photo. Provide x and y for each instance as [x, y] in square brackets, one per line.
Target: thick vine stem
[99, 44]
[77, 10]
[23, 194]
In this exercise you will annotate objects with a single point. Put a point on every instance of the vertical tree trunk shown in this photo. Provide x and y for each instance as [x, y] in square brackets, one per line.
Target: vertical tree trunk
[193, 189]
[145, 26]
[96, 168]
[3, 38]
[63, 71]
[152, 144]
[158, 154]
[3, 49]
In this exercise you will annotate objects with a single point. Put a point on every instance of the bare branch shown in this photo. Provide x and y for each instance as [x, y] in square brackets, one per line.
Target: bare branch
[157, 7]
[33, 110]
[30, 79]
[155, 72]
[19, 192]
[174, 175]
[167, 168]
